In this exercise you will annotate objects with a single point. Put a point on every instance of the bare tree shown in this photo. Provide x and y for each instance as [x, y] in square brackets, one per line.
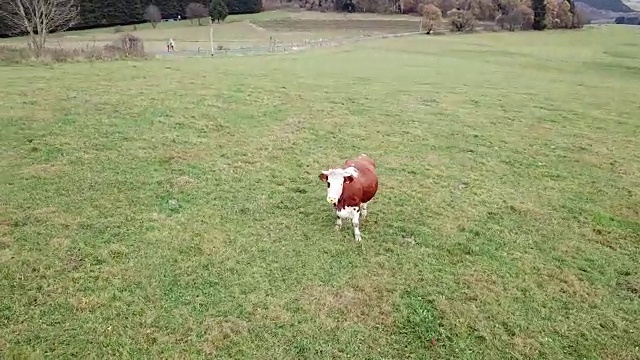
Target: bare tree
[431, 15]
[196, 11]
[38, 18]
[153, 15]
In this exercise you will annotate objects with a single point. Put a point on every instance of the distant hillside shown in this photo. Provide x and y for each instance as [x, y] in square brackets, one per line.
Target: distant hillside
[610, 5]
[634, 4]
[598, 16]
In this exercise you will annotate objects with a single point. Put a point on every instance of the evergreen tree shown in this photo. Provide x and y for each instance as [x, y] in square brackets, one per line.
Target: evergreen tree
[218, 10]
[244, 6]
[539, 15]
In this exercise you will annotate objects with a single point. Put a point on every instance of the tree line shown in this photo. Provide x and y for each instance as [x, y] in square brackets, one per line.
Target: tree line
[508, 14]
[103, 13]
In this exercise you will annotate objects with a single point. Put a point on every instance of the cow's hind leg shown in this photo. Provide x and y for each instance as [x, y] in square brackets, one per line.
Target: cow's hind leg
[363, 210]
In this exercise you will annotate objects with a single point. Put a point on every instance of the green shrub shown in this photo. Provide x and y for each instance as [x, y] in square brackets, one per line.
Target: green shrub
[461, 20]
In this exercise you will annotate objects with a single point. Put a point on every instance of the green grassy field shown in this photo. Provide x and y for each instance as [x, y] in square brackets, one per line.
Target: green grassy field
[172, 208]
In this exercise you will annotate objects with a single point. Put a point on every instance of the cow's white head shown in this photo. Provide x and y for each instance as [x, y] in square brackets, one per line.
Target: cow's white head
[335, 179]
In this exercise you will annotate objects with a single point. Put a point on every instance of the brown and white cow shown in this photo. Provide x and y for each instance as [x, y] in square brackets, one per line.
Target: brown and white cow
[350, 188]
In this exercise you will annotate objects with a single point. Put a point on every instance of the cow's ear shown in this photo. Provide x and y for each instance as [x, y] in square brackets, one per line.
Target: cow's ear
[323, 177]
[348, 179]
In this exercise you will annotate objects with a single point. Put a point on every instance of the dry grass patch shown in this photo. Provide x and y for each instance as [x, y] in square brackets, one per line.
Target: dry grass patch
[180, 156]
[630, 209]
[613, 239]
[273, 314]
[73, 261]
[619, 354]
[221, 331]
[542, 131]
[631, 284]
[479, 308]
[213, 243]
[59, 243]
[482, 286]
[119, 274]
[528, 209]
[346, 305]
[161, 219]
[54, 215]
[5, 226]
[525, 345]
[184, 182]
[5, 241]
[85, 304]
[288, 130]
[45, 169]
[562, 282]
[367, 302]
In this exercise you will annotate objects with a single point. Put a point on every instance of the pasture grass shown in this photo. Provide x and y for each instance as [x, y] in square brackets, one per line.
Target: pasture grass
[171, 208]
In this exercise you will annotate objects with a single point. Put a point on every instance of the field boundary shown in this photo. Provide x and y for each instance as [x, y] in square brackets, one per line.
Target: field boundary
[281, 47]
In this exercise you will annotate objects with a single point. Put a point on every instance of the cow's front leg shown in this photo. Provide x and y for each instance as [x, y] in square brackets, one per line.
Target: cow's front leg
[355, 220]
[338, 222]
[347, 213]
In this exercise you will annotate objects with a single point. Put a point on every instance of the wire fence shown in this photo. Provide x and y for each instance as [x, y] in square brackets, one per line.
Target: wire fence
[279, 47]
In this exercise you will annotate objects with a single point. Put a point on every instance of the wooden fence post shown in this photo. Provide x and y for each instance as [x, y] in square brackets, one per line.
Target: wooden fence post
[211, 34]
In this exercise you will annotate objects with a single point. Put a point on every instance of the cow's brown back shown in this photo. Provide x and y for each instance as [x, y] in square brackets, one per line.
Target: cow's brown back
[363, 160]
[367, 177]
